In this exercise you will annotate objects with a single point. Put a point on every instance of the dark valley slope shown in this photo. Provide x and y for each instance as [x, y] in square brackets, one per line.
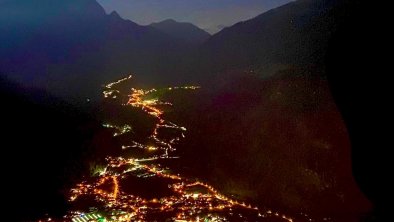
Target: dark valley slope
[182, 30]
[295, 35]
[278, 140]
[47, 147]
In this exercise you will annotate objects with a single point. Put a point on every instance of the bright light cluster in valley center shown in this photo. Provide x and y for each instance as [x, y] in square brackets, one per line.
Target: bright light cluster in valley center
[110, 195]
[150, 107]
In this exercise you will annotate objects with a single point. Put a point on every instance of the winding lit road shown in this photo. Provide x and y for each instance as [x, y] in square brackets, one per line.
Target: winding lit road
[185, 200]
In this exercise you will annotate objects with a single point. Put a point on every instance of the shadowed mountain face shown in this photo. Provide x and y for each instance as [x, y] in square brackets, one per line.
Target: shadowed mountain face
[278, 142]
[48, 146]
[72, 47]
[182, 31]
[284, 137]
[293, 35]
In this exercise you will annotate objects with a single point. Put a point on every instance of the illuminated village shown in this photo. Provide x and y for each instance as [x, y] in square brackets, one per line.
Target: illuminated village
[185, 199]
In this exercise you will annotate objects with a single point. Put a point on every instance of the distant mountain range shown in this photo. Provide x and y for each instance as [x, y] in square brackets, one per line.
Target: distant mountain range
[72, 47]
[182, 31]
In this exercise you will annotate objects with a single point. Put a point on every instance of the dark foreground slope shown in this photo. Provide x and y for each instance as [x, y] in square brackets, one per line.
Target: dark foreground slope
[362, 87]
[46, 148]
[278, 142]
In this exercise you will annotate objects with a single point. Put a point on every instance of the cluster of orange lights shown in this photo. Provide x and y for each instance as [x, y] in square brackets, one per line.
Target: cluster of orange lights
[136, 99]
[184, 204]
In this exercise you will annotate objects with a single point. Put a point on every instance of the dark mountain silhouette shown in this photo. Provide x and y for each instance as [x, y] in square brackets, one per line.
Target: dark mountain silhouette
[293, 35]
[283, 135]
[72, 47]
[215, 28]
[354, 54]
[47, 146]
[182, 30]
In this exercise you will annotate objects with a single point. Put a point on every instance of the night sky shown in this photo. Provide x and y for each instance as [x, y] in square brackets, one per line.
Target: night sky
[211, 15]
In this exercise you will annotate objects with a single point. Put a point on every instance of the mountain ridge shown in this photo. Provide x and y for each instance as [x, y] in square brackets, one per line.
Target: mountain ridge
[291, 36]
[184, 31]
[73, 47]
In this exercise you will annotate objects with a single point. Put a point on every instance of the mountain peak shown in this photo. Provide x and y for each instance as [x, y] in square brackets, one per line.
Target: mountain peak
[168, 21]
[185, 31]
[115, 14]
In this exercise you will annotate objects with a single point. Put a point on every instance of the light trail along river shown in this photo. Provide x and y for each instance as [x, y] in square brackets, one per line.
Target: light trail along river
[138, 189]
